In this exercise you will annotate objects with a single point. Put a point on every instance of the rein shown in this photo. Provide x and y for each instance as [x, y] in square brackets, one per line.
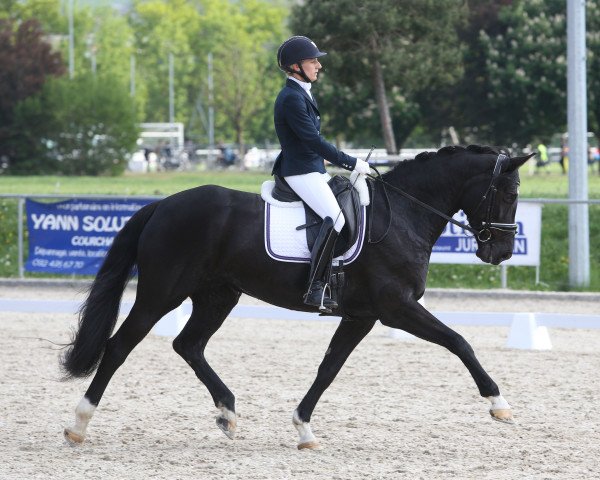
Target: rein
[484, 234]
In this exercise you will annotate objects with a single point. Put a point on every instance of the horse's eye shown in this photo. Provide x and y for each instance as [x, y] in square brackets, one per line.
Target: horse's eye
[510, 197]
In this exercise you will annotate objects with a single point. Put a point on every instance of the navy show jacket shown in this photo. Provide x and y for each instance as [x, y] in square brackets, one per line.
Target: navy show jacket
[298, 127]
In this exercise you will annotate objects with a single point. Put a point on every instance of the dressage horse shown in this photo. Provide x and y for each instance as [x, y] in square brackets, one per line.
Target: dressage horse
[207, 244]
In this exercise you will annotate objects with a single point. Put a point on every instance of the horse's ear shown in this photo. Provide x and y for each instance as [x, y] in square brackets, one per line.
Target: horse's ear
[517, 162]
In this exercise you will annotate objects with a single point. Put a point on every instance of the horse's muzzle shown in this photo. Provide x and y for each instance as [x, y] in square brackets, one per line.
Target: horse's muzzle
[494, 254]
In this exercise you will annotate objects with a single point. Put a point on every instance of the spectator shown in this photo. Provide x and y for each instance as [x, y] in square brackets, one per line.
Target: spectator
[542, 160]
[227, 156]
[594, 157]
[564, 156]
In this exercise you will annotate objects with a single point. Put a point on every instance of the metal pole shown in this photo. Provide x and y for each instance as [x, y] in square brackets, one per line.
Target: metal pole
[171, 89]
[71, 41]
[211, 110]
[94, 60]
[132, 75]
[503, 276]
[20, 236]
[579, 247]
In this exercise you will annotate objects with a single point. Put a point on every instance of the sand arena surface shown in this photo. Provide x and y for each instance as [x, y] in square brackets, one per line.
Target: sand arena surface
[397, 410]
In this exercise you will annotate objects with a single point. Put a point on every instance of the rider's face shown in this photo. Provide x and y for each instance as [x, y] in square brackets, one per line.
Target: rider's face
[311, 68]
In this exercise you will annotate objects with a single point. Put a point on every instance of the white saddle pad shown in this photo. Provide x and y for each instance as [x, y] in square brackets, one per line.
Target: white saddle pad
[286, 244]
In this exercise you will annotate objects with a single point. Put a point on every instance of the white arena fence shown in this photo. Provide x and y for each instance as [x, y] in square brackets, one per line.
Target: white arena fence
[527, 330]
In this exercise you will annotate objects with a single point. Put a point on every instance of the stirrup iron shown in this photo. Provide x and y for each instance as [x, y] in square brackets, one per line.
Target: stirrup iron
[317, 297]
[326, 308]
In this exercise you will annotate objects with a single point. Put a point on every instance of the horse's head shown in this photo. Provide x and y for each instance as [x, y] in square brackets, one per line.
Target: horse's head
[490, 202]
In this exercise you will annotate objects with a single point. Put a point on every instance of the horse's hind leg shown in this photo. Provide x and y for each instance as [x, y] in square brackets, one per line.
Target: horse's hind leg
[347, 336]
[136, 326]
[210, 309]
[416, 320]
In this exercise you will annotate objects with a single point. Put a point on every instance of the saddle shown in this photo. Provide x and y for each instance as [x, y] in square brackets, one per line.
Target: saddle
[349, 201]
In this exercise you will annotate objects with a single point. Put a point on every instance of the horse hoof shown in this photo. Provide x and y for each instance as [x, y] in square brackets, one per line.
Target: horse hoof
[312, 445]
[226, 426]
[503, 415]
[72, 437]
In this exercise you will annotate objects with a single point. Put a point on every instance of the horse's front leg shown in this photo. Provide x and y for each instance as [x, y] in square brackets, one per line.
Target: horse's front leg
[347, 336]
[413, 318]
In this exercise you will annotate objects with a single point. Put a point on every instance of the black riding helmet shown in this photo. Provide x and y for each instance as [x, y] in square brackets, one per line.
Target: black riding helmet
[294, 50]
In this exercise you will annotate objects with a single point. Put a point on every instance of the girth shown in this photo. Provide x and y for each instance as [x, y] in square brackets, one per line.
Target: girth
[348, 200]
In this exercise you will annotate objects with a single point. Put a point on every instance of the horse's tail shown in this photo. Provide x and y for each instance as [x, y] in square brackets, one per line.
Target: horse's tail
[98, 314]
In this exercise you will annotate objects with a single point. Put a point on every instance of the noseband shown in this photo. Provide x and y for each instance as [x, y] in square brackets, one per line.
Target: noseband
[484, 233]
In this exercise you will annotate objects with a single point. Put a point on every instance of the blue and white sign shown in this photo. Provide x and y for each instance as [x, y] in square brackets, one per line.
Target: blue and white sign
[457, 246]
[73, 236]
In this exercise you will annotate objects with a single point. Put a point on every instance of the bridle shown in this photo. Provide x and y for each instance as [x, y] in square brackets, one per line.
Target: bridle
[483, 233]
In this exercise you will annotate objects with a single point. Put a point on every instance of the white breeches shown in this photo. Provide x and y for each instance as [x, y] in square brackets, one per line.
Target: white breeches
[314, 190]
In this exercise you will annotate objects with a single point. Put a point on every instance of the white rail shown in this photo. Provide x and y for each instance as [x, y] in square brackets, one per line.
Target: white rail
[527, 330]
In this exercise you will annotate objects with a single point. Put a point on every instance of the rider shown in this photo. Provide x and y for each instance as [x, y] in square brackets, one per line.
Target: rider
[301, 161]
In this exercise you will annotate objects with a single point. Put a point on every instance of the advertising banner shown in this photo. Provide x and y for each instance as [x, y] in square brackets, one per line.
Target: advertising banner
[73, 236]
[457, 246]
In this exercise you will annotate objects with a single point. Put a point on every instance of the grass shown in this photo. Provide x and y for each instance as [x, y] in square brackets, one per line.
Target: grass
[548, 183]
[164, 183]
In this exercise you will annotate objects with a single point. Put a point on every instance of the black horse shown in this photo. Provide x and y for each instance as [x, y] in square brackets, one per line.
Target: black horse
[207, 244]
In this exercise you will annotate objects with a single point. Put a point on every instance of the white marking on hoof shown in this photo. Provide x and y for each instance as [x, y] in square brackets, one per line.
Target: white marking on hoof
[500, 410]
[72, 437]
[83, 414]
[307, 439]
[227, 422]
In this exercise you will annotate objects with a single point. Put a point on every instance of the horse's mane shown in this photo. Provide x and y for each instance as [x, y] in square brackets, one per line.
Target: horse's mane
[453, 149]
[414, 168]
[448, 151]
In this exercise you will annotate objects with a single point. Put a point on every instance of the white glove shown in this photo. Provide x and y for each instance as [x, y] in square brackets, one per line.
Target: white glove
[362, 167]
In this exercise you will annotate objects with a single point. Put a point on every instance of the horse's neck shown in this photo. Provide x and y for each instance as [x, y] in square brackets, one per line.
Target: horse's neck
[438, 183]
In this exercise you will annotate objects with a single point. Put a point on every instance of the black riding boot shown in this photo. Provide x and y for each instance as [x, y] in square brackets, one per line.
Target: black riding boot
[318, 293]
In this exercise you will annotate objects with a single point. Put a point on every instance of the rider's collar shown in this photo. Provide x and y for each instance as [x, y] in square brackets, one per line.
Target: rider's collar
[305, 85]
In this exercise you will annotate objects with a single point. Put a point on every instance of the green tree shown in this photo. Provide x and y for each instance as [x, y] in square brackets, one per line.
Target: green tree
[27, 62]
[104, 41]
[88, 34]
[244, 37]
[84, 126]
[412, 46]
[163, 28]
[46, 12]
[464, 105]
[527, 66]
